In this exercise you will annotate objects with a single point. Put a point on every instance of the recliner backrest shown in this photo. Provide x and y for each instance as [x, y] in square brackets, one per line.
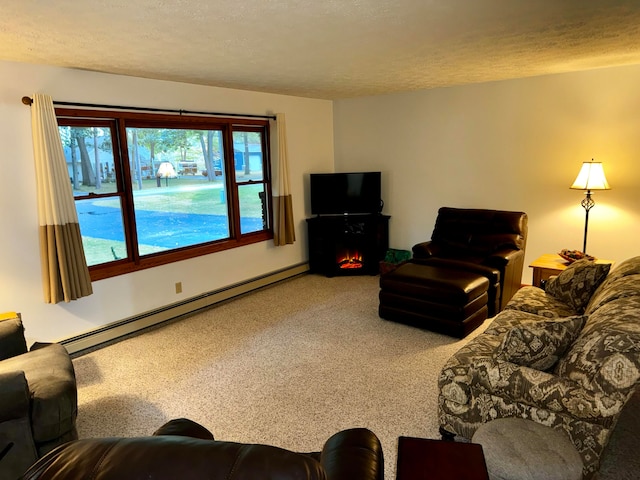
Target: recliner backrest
[12, 341]
[479, 231]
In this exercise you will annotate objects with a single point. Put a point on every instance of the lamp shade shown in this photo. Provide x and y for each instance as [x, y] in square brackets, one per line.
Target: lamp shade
[591, 177]
[166, 170]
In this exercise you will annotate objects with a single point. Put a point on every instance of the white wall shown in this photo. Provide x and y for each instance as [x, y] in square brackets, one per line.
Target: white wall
[310, 144]
[514, 145]
[511, 145]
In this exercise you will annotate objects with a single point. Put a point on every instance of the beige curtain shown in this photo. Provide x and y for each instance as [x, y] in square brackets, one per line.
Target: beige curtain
[284, 230]
[65, 275]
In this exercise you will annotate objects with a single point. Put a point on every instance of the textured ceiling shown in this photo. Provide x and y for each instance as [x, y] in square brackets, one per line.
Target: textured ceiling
[323, 49]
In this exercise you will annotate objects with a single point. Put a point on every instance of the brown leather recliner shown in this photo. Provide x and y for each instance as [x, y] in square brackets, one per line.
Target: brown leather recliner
[487, 242]
[183, 449]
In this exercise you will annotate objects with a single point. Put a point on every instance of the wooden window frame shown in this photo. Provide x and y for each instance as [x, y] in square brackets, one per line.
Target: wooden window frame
[119, 121]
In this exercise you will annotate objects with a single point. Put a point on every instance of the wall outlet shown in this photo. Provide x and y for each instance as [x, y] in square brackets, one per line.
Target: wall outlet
[178, 287]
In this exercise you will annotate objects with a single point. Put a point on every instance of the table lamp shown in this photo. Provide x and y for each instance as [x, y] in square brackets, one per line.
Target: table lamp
[165, 171]
[590, 177]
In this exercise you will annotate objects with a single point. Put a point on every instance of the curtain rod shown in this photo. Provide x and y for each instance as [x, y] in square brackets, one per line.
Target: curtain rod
[28, 101]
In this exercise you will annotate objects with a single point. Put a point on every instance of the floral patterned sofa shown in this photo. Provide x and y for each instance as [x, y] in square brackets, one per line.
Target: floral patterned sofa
[567, 357]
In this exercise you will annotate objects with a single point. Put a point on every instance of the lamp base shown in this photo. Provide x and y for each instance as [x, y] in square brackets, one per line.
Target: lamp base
[588, 204]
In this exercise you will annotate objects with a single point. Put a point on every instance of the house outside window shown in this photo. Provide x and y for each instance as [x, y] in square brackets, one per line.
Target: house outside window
[152, 189]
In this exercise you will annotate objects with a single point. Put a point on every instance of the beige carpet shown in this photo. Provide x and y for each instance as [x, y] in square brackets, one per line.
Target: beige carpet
[289, 366]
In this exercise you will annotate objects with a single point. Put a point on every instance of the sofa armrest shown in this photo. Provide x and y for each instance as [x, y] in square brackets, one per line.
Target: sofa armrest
[12, 342]
[544, 390]
[17, 448]
[353, 453]
[14, 401]
[561, 395]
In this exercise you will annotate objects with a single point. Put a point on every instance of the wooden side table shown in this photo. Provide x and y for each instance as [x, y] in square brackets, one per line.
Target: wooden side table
[425, 459]
[551, 264]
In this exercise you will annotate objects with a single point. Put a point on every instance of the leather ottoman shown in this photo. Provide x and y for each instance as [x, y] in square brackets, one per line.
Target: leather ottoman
[437, 298]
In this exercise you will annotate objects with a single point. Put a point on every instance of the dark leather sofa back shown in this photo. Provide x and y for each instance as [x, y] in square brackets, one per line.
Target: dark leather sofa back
[348, 455]
[172, 457]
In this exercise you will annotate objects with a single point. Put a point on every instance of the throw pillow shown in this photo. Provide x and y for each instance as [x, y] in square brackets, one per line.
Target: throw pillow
[577, 282]
[540, 344]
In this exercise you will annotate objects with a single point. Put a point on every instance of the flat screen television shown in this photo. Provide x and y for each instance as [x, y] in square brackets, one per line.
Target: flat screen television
[346, 193]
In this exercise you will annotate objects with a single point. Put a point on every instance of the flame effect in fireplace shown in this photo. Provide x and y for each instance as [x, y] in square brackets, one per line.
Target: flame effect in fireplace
[350, 260]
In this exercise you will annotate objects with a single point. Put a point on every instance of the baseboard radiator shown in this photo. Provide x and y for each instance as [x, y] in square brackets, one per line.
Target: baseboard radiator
[107, 334]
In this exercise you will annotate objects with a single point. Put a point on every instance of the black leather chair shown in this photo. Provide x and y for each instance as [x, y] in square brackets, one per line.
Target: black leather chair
[489, 242]
[467, 272]
[184, 449]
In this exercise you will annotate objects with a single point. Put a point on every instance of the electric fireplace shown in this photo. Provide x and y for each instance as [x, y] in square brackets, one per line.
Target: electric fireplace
[348, 259]
[347, 244]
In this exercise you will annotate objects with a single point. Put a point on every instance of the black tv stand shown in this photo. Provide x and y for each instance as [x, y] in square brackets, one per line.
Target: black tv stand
[347, 244]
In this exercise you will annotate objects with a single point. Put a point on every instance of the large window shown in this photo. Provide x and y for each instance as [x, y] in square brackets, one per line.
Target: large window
[152, 189]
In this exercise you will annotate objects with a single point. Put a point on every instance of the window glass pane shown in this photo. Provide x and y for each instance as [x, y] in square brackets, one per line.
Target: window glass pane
[89, 155]
[179, 187]
[102, 229]
[253, 208]
[248, 156]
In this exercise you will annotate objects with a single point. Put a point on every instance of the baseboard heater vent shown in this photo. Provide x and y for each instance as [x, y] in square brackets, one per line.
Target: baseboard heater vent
[93, 339]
